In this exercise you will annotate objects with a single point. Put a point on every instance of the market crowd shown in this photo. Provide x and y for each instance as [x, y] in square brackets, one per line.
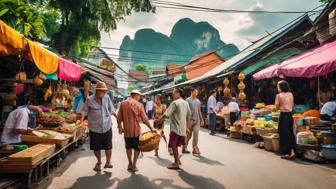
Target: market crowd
[184, 114]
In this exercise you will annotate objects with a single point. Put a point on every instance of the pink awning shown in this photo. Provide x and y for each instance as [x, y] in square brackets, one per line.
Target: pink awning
[318, 61]
[68, 71]
[269, 72]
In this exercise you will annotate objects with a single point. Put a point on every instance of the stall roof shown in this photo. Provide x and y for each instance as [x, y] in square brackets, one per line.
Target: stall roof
[250, 51]
[311, 63]
[276, 58]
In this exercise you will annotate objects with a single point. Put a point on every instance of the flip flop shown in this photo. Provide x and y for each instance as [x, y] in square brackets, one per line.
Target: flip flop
[135, 169]
[97, 167]
[129, 168]
[173, 167]
[108, 166]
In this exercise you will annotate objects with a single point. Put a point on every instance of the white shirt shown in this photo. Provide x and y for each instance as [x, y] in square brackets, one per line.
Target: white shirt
[149, 106]
[211, 104]
[17, 119]
[233, 107]
[329, 108]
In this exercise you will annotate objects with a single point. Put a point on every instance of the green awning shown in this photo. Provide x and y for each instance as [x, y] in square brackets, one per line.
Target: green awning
[276, 58]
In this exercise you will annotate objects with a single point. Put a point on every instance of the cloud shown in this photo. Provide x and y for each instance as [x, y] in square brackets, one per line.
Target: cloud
[255, 24]
[240, 29]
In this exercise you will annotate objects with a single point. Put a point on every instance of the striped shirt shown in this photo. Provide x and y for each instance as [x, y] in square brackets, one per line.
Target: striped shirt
[130, 113]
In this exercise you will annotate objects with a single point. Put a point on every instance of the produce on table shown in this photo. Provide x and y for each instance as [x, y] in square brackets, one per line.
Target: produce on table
[50, 134]
[68, 128]
[49, 120]
[306, 137]
[312, 113]
[260, 105]
[269, 125]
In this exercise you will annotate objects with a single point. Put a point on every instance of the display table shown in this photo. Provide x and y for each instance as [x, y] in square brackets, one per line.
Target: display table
[42, 168]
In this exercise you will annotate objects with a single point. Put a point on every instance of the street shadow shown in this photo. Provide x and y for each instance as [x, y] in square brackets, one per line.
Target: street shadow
[99, 180]
[161, 161]
[208, 161]
[200, 182]
[142, 182]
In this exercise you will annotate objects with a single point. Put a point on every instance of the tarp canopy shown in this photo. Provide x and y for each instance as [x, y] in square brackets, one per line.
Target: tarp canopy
[317, 61]
[274, 59]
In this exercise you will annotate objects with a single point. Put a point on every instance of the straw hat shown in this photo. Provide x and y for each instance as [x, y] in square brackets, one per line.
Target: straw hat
[101, 86]
[135, 91]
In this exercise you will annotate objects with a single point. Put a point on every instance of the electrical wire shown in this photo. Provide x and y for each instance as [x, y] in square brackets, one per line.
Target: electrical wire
[175, 5]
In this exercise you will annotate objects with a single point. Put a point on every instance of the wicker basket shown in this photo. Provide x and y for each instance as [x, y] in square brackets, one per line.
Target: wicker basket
[142, 141]
[261, 131]
[268, 143]
[150, 145]
[275, 144]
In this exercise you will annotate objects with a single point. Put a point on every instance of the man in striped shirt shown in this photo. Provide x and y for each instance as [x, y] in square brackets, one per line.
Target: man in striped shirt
[130, 113]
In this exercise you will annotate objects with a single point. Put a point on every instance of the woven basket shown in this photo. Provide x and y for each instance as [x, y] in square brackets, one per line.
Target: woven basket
[268, 143]
[150, 145]
[262, 131]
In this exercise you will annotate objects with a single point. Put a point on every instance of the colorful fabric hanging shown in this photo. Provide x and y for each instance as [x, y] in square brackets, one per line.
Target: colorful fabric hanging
[52, 76]
[10, 39]
[45, 60]
[68, 71]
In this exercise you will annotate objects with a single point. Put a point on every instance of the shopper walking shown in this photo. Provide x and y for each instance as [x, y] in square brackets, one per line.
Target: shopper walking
[158, 110]
[179, 115]
[99, 109]
[130, 113]
[234, 110]
[284, 102]
[149, 107]
[212, 112]
[195, 122]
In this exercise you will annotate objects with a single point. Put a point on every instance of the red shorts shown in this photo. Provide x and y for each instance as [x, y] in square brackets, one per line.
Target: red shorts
[176, 140]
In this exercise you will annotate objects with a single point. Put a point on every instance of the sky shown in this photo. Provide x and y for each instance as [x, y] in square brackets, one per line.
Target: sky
[240, 29]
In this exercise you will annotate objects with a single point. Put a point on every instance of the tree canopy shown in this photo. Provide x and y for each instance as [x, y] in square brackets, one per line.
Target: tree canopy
[71, 26]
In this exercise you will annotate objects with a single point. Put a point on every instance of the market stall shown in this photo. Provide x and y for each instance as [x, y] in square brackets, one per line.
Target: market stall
[31, 73]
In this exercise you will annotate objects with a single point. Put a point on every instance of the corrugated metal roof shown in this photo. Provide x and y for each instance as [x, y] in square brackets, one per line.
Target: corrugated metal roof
[248, 52]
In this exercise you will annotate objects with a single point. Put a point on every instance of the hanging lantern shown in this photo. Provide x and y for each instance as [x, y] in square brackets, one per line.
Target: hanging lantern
[241, 86]
[226, 89]
[226, 81]
[241, 76]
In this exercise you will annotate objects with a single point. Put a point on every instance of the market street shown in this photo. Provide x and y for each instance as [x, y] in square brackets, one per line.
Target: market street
[225, 163]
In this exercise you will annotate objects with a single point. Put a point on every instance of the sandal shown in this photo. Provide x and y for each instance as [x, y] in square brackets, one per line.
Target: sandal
[173, 167]
[108, 166]
[97, 167]
[129, 168]
[135, 169]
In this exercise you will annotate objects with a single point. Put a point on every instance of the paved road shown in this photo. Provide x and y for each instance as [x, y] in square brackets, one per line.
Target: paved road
[225, 164]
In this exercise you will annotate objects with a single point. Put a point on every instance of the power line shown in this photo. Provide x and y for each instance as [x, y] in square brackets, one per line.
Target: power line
[175, 5]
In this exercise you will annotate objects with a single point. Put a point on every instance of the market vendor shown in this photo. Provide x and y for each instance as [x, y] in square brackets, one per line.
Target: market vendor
[17, 124]
[328, 110]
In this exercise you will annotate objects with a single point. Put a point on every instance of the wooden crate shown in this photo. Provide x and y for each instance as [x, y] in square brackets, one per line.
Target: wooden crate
[33, 154]
[35, 139]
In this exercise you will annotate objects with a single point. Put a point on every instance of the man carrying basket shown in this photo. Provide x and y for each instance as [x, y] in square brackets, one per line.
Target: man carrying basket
[130, 113]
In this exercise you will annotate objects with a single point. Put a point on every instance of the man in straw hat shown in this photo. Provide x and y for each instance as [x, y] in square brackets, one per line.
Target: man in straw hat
[130, 113]
[99, 109]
